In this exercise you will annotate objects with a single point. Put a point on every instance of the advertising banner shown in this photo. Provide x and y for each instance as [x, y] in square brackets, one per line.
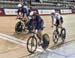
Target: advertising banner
[65, 11]
[10, 11]
[42, 11]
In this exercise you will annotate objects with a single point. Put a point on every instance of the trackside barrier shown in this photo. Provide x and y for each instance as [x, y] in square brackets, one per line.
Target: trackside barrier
[51, 53]
[65, 11]
[12, 12]
[73, 10]
[2, 12]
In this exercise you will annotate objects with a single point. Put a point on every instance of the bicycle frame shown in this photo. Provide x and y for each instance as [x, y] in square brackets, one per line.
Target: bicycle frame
[34, 34]
[58, 29]
[20, 20]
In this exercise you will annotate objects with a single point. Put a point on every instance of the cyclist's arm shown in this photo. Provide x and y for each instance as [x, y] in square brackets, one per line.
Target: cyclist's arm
[52, 17]
[17, 13]
[59, 17]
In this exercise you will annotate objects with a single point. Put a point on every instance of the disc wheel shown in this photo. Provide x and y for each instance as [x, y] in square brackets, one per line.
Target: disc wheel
[46, 41]
[63, 34]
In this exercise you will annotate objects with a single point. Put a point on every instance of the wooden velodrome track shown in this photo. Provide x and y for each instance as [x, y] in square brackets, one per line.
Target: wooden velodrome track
[7, 25]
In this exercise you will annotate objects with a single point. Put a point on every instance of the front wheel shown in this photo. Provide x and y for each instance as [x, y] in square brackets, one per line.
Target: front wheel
[32, 44]
[55, 37]
[18, 27]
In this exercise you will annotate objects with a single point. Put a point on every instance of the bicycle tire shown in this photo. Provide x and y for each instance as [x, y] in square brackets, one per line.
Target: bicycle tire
[18, 27]
[46, 41]
[55, 37]
[32, 38]
[31, 27]
[63, 35]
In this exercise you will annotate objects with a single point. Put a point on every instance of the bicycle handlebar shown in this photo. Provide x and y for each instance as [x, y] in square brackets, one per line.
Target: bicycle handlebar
[35, 32]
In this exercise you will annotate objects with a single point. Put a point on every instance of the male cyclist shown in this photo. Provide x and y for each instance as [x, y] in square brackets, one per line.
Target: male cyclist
[20, 12]
[26, 13]
[57, 19]
[23, 12]
[38, 23]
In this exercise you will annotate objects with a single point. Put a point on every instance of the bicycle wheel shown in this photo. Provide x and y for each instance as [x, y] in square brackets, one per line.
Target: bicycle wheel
[63, 34]
[55, 37]
[18, 27]
[31, 44]
[30, 28]
[45, 41]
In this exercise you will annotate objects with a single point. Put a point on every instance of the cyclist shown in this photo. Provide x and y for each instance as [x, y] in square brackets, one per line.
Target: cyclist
[26, 13]
[23, 12]
[38, 23]
[57, 19]
[20, 12]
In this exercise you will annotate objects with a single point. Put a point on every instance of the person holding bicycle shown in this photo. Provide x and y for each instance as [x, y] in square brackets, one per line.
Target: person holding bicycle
[38, 23]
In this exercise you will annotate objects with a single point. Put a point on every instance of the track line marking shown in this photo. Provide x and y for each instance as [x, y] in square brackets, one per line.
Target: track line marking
[23, 43]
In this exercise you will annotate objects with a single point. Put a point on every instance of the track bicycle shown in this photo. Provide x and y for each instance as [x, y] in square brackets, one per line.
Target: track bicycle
[59, 34]
[21, 26]
[32, 42]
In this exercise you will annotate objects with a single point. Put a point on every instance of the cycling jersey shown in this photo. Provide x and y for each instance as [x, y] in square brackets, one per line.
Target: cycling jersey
[37, 22]
[58, 18]
[20, 9]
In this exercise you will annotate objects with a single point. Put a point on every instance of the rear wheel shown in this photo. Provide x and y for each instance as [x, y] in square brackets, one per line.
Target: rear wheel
[55, 37]
[63, 34]
[18, 27]
[32, 44]
[45, 41]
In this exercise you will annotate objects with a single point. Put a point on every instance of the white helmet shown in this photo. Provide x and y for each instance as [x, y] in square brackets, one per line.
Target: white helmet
[31, 13]
[19, 5]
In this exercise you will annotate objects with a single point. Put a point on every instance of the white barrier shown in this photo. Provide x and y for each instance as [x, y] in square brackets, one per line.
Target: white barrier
[43, 11]
[10, 11]
[65, 11]
[40, 11]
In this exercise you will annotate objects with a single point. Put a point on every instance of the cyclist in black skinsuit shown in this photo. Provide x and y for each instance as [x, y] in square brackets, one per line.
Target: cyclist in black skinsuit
[20, 11]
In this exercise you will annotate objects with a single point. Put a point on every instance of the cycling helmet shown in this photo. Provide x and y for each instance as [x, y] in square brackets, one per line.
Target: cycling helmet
[31, 13]
[19, 5]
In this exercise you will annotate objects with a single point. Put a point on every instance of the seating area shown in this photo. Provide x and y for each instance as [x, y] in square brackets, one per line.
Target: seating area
[48, 4]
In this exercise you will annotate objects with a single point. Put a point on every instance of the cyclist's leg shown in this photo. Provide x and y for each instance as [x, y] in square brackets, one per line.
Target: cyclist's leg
[57, 25]
[40, 37]
[62, 22]
[25, 18]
